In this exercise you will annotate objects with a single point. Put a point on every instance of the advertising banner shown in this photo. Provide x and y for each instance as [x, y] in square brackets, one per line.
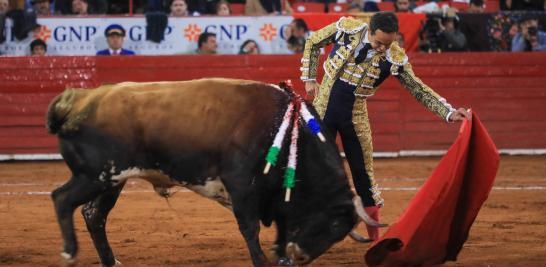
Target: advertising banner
[85, 36]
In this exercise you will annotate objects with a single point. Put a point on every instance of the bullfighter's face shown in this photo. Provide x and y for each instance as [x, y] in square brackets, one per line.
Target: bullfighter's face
[381, 41]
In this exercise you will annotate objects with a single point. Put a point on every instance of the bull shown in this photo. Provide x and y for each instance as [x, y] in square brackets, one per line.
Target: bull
[208, 135]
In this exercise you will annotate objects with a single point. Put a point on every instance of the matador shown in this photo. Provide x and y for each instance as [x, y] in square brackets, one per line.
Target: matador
[362, 57]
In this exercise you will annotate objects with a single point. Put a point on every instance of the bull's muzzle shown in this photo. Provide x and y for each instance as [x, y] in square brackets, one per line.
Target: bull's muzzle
[296, 254]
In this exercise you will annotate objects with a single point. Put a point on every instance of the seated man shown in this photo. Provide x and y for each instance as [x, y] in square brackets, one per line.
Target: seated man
[296, 34]
[206, 44]
[115, 35]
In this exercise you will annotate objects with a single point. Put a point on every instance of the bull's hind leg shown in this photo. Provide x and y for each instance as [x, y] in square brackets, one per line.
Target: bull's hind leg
[77, 191]
[95, 214]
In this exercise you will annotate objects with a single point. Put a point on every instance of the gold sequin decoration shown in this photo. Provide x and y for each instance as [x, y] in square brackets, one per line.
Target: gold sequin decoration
[364, 133]
[421, 92]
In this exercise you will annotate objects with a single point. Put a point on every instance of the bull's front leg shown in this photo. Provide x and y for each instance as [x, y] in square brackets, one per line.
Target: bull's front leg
[277, 253]
[246, 213]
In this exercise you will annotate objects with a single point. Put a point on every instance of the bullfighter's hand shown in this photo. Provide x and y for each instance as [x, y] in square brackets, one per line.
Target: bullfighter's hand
[459, 115]
[311, 88]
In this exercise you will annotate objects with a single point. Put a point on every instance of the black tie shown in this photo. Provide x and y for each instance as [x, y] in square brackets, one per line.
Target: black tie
[363, 53]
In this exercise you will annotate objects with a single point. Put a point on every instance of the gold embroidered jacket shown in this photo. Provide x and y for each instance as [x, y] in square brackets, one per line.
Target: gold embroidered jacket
[346, 34]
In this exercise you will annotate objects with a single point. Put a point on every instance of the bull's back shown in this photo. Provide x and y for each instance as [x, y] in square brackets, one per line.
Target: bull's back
[201, 114]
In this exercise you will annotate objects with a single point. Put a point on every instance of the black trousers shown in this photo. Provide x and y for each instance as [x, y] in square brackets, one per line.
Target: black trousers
[338, 119]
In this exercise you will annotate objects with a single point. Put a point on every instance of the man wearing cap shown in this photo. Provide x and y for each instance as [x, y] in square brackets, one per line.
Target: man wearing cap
[115, 35]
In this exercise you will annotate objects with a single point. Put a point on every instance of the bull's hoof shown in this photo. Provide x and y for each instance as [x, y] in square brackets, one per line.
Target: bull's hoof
[284, 261]
[116, 264]
[69, 260]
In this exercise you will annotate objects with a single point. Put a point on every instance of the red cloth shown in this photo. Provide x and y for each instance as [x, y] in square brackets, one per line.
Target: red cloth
[435, 225]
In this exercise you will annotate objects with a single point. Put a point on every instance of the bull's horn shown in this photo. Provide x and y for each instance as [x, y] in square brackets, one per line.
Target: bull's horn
[363, 215]
[358, 238]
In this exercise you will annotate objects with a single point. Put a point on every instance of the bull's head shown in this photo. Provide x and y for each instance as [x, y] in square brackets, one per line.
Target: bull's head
[311, 237]
[322, 210]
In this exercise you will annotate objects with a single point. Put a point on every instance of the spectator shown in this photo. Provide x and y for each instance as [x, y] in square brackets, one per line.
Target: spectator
[402, 6]
[38, 48]
[222, 8]
[66, 7]
[115, 35]
[429, 35]
[267, 7]
[179, 8]
[529, 38]
[539, 5]
[297, 32]
[476, 6]
[249, 47]
[430, 7]
[4, 6]
[354, 8]
[80, 7]
[206, 44]
[197, 7]
[370, 6]
[41, 7]
[451, 38]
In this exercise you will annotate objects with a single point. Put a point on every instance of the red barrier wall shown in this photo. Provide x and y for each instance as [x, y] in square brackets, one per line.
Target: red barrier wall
[507, 90]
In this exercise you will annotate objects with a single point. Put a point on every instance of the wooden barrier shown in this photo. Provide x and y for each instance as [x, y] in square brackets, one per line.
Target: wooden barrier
[508, 90]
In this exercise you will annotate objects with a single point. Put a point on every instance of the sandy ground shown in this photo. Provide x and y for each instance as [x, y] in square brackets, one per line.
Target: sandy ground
[145, 231]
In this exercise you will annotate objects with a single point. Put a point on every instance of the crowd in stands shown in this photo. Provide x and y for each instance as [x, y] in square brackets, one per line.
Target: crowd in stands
[255, 7]
[439, 33]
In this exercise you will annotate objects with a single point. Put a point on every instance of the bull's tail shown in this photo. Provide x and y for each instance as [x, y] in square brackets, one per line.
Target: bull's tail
[58, 110]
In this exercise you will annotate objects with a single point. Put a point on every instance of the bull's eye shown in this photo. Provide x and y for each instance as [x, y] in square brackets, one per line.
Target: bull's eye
[334, 227]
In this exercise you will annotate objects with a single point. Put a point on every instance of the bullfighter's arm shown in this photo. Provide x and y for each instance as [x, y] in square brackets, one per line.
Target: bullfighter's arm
[424, 94]
[310, 59]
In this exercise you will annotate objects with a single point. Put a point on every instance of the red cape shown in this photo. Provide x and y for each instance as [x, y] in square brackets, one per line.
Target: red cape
[435, 225]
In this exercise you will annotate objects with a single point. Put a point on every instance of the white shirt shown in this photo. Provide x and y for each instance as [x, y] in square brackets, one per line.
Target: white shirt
[112, 51]
[364, 41]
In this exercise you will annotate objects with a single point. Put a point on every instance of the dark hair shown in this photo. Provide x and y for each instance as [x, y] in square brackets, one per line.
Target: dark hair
[300, 24]
[222, 2]
[38, 42]
[385, 21]
[241, 49]
[527, 17]
[204, 37]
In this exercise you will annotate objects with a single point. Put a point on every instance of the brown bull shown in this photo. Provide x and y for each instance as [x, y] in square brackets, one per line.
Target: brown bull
[210, 136]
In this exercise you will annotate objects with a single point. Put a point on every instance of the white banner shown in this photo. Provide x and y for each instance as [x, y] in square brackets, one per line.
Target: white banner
[85, 36]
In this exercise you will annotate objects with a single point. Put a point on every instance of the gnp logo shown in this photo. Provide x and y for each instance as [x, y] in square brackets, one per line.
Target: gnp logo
[43, 33]
[192, 32]
[268, 32]
[223, 32]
